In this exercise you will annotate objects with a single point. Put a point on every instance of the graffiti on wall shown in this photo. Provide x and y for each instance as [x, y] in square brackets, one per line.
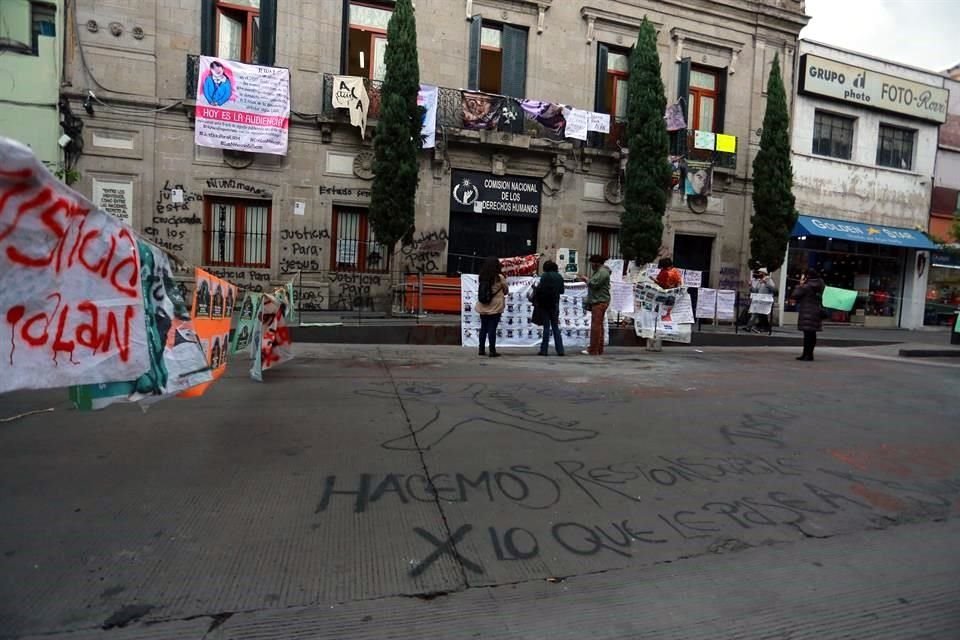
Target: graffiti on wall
[422, 253]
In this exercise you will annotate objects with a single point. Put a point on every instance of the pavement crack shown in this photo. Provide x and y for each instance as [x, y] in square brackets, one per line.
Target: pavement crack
[218, 621]
[451, 538]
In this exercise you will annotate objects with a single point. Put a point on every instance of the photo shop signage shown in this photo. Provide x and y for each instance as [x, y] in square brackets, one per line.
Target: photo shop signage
[475, 192]
[856, 85]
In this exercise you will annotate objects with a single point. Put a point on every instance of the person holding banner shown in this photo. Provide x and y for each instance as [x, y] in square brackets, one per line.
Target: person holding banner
[548, 294]
[598, 299]
[761, 283]
[491, 300]
[809, 299]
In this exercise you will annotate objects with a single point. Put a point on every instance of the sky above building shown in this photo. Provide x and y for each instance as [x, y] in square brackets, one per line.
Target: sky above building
[921, 33]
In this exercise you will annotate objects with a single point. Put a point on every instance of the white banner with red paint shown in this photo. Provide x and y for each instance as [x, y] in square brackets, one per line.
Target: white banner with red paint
[271, 344]
[71, 306]
[243, 107]
[520, 265]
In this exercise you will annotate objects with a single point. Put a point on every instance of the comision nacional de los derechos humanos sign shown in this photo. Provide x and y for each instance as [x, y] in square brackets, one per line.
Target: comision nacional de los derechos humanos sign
[856, 85]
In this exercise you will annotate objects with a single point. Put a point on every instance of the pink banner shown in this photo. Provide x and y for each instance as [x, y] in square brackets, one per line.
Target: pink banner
[520, 265]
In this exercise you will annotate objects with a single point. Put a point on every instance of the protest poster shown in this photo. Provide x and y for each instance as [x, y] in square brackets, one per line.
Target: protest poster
[761, 303]
[576, 123]
[840, 299]
[249, 312]
[621, 297]
[213, 331]
[692, 279]
[726, 304]
[515, 328]
[662, 313]
[271, 338]
[520, 265]
[71, 305]
[177, 360]
[707, 304]
[427, 98]
[242, 107]
[599, 122]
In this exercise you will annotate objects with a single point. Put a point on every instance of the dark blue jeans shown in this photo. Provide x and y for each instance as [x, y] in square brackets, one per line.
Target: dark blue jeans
[551, 322]
[488, 327]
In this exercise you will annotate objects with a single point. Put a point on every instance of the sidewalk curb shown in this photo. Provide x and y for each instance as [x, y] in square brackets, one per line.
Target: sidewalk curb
[930, 353]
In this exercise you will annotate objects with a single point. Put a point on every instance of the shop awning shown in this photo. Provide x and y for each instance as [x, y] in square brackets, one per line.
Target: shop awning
[862, 232]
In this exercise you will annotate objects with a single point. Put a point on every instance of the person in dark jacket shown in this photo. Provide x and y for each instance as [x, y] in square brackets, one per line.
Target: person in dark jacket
[548, 304]
[809, 298]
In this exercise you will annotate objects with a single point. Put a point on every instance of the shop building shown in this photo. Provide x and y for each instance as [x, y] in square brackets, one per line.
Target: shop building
[864, 146]
[539, 189]
[943, 285]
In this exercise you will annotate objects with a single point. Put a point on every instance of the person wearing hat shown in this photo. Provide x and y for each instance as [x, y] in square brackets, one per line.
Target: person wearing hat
[761, 283]
[809, 298]
[598, 299]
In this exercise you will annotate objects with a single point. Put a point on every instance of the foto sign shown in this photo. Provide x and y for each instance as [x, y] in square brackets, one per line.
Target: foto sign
[856, 85]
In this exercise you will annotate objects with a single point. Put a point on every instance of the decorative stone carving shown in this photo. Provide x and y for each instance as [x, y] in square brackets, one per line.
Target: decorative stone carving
[363, 165]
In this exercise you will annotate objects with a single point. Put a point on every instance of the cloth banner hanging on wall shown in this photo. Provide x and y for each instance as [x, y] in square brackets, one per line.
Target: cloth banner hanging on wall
[71, 304]
[548, 114]
[482, 111]
[177, 360]
[427, 98]
[349, 92]
[515, 328]
[242, 107]
[699, 178]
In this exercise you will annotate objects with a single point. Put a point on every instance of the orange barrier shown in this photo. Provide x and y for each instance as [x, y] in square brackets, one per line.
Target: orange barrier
[441, 294]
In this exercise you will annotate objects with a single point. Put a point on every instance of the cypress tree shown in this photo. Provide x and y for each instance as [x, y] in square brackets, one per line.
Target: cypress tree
[648, 172]
[773, 203]
[397, 140]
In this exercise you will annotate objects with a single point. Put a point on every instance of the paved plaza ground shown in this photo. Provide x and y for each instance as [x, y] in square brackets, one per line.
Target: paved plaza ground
[422, 492]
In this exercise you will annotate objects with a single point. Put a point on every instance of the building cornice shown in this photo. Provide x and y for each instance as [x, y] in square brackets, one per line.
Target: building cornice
[593, 16]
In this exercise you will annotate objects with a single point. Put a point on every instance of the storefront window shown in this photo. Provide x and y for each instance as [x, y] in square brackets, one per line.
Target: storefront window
[874, 271]
[943, 289]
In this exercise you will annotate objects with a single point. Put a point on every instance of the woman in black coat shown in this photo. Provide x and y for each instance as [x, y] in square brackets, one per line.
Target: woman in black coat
[809, 298]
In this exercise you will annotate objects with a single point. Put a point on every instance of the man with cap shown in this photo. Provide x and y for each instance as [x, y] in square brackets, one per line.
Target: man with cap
[761, 283]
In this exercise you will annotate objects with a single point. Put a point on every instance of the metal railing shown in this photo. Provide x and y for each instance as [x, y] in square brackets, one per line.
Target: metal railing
[341, 115]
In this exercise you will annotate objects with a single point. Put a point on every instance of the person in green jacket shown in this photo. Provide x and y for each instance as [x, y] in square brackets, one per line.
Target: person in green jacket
[549, 290]
[598, 299]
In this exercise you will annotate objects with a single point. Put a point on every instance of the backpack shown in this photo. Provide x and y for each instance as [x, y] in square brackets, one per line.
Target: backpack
[485, 293]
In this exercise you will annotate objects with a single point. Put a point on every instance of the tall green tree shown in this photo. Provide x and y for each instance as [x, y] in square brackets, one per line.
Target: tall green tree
[774, 213]
[648, 172]
[397, 140]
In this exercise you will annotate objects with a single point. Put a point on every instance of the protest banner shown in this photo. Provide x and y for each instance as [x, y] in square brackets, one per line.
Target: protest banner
[621, 297]
[271, 337]
[515, 328]
[665, 314]
[707, 304]
[242, 107]
[761, 303]
[520, 265]
[71, 305]
[249, 312]
[211, 319]
[177, 360]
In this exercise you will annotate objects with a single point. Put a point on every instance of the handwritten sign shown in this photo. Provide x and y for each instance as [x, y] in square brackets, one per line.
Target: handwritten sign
[242, 107]
[71, 308]
[599, 122]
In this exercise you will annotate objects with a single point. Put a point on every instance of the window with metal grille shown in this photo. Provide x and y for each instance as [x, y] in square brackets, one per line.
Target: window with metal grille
[236, 233]
[896, 147]
[603, 241]
[355, 244]
[832, 135]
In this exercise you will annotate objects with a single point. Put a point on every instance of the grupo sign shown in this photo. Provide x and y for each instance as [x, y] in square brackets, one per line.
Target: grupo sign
[472, 191]
[856, 85]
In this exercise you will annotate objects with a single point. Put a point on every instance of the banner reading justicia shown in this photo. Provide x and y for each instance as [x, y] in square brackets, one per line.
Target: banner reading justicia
[242, 107]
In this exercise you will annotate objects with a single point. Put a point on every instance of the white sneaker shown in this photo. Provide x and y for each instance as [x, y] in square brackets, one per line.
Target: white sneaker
[585, 352]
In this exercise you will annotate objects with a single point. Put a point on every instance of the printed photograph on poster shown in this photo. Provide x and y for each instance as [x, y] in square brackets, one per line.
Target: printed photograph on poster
[217, 300]
[216, 350]
[231, 300]
[201, 303]
[699, 181]
[225, 346]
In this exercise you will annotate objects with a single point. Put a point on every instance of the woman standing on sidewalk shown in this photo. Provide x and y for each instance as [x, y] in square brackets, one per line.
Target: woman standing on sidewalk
[548, 294]
[491, 298]
[809, 298]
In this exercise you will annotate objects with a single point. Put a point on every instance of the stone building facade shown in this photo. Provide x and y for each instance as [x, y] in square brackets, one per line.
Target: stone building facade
[305, 212]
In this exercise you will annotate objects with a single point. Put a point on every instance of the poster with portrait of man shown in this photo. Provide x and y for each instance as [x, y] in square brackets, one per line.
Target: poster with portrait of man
[699, 179]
